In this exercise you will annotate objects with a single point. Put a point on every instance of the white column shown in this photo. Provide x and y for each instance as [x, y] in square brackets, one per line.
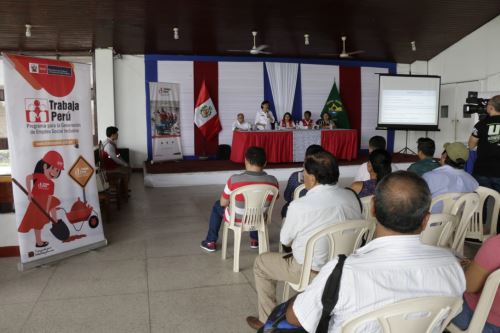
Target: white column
[104, 85]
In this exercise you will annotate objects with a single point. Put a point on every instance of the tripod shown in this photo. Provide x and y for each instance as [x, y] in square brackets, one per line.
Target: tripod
[406, 150]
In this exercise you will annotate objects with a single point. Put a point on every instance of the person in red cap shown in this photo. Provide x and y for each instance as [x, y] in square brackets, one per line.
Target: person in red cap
[40, 187]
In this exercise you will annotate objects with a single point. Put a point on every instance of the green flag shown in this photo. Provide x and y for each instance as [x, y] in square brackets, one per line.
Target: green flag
[336, 109]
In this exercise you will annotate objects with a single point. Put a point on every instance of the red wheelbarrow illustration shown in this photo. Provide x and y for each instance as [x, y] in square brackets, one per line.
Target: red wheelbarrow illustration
[81, 212]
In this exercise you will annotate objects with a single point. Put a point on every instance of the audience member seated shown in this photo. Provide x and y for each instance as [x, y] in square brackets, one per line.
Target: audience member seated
[425, 152]
[307, 122]
[375, 142]
[324, 204]
[476, 273]
[264, 118]
[450, 176]
[393, 267]
[287, 121]
[112, 162]
[326, 122]
[255, 161]
[240, 124]
[379, 166]
[296, 179]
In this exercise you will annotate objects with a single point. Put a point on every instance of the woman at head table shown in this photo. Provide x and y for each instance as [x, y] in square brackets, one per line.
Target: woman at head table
[326, 122]
[264, 118]
[287, 121]
[307, 121]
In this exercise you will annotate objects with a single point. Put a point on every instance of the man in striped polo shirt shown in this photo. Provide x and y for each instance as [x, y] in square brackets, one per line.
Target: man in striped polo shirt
[255, 161]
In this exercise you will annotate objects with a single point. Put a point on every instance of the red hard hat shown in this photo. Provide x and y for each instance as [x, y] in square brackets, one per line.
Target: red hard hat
[53, 158]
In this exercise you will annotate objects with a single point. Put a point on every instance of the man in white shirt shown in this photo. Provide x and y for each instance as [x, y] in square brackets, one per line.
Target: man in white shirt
[264, 118]
[450, 176]
[376, 142]
[111, 161]
[324, 204]
[393, 267]
[240, 124]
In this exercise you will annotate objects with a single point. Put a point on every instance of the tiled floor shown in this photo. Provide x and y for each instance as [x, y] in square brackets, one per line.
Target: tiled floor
[152, 277]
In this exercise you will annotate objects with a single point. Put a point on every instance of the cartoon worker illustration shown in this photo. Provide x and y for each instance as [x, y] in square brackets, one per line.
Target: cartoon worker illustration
[41, 188]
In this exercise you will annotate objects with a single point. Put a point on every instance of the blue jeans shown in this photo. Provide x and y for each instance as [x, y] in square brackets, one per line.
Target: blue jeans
[216, 217]
[462, 320]
[490, 182]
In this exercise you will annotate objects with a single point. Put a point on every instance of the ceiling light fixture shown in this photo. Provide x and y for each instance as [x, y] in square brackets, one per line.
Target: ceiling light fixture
[28, 30]
[176, 33]
[413, 46]
[306, 39]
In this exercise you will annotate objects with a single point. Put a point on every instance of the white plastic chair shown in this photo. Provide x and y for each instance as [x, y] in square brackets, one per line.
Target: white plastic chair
[476, 226]
[464, 207]
[448, 200]
[439, 229]
[366, 202]
[344, 237]
[296, 193]
[257, 214]
[416, 315]
[483, 306]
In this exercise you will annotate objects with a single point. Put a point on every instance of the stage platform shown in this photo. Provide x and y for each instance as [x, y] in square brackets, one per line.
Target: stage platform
[213, 172]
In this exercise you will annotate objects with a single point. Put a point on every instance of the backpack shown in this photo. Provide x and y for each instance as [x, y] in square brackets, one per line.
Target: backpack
[277, 323]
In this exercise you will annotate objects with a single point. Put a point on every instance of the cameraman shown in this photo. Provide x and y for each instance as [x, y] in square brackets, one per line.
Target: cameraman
[486, 136]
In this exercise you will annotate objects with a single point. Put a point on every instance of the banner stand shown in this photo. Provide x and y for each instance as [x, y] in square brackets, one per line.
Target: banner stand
[49, 130]
[164, 99]
[56, 257]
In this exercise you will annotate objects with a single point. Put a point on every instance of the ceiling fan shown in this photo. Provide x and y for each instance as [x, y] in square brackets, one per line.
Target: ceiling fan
[344, 54]
[255, 49]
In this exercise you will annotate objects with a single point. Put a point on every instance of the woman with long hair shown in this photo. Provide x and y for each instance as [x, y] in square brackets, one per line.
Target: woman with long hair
[379, 166]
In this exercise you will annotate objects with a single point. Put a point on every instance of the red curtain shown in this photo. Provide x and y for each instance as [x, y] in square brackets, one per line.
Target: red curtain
[350, 92]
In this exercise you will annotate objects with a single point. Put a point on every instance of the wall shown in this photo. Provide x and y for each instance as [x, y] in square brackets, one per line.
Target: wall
[471, 64]
[130, 106]
[104, 91]
[474, 57]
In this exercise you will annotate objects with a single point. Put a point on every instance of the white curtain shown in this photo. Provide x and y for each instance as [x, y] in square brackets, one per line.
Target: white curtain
[283, 80]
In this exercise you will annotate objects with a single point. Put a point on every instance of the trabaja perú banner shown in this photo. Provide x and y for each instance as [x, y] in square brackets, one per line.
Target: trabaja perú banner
[51, 149]
[165, 121]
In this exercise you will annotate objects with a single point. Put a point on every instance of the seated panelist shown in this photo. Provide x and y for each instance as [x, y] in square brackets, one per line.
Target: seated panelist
[307, 122]
[326, 122]
[240, 124]
[287, 121]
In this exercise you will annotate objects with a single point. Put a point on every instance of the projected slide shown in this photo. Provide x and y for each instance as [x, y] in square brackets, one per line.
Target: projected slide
[409, 106]
[409, 102]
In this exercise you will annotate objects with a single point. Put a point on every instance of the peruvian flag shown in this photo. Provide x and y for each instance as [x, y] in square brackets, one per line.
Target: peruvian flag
[205, 115]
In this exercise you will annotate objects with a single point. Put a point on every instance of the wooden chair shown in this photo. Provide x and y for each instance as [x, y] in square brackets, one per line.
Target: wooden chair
[113, 192]
[416, 315]
[344, 237]
[483, 307]
[259, 201]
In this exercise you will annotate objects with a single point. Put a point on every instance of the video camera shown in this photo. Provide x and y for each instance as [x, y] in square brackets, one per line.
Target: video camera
[474, 104]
